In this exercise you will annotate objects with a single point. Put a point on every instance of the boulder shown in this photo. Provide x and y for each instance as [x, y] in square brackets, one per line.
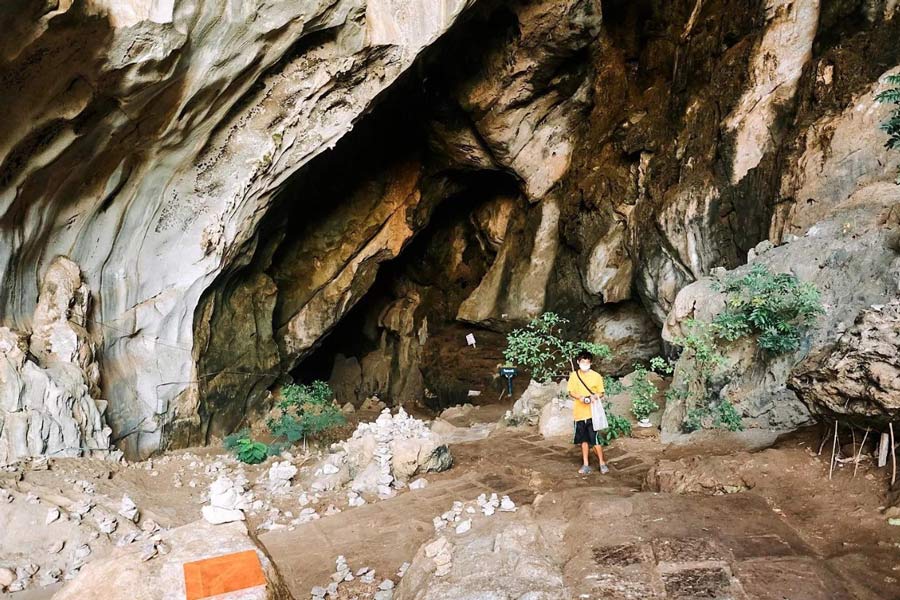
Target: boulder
[859, 373]
[851, 258]
[630, 333]
[124, 575]
[556, 419]
[536, 396]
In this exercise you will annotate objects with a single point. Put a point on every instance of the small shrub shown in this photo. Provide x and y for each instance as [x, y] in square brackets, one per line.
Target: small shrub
[246, 449]
[661, 365]
[728, 417]
[306, 410]
[892, 125]
[618, 427]
[642, 392]
[776, 307]
[540, 349]
[612, 385]
[722, 415]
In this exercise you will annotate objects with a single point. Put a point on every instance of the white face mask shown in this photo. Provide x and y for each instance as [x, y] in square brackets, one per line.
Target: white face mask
[584, 366]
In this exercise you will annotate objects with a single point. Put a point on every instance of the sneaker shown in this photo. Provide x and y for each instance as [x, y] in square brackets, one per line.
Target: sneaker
[584, 470]
[604, 469]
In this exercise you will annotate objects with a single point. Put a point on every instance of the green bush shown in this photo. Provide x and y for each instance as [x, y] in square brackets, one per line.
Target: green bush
[701, 358]
[305, 411]
[776, 307]
[245, 449]
[722, 415]
[618, 427]
[612, 385]
[642, 391]
[892, 125]
[662, 366]
[540, 349]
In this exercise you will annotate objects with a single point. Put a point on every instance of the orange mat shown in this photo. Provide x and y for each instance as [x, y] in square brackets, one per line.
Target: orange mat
[222, 574]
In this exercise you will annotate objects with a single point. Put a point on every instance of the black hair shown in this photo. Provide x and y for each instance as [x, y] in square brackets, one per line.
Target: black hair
[585, 355]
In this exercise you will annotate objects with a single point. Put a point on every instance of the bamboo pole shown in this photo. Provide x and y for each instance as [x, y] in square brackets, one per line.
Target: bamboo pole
[893, 456]
[858, 454]
[833, 449]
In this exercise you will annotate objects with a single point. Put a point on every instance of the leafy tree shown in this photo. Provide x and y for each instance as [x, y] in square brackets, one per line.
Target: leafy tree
[892, 125]
[776, 307]
[540, 348]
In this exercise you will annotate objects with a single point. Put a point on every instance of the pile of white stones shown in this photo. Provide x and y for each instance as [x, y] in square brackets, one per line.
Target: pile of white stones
[228, 499]
[486, 505]
[460, 517]
[366, 575]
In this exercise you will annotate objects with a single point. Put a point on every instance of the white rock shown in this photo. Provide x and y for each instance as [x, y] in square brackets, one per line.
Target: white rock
[129, 509]
[464, 526]
[434, 548]
[329, 469]
[52, 515]
[218, 515]
[507, 505]
[419, 484]
[387, 584]
[7, 576]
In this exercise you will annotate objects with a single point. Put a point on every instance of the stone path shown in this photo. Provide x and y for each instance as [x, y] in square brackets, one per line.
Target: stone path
[634, 545]
[385, 534]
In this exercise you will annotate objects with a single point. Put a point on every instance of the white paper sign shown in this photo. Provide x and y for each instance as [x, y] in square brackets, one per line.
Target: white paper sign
[470, 339]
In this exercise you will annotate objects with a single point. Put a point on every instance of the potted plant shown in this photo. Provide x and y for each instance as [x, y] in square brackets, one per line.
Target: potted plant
[642, 391]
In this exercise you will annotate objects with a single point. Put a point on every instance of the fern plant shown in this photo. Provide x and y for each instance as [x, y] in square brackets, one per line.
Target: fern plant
[892, 125]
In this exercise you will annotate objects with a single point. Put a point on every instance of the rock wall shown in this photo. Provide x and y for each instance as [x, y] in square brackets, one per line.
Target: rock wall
[198, 166]
[146, 145]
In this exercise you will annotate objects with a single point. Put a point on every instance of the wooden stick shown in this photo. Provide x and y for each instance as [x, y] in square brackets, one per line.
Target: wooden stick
[853, 433]
[858, 454]
[833, 449]
[893, 456]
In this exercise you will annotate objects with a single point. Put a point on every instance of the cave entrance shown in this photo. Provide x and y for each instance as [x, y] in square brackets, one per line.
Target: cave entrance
[402, 341]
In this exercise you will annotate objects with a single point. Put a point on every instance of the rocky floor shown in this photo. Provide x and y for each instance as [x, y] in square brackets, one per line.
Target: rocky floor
[726, 524]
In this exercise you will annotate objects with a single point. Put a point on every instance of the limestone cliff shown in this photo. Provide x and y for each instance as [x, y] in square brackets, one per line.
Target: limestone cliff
[247, 187]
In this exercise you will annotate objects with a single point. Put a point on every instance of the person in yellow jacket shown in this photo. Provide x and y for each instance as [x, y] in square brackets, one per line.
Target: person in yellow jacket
[586, 386]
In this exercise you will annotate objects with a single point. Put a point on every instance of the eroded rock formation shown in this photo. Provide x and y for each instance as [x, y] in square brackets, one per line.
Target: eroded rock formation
[197, 164]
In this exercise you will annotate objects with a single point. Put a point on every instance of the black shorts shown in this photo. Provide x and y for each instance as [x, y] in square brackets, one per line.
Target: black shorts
[584, 432]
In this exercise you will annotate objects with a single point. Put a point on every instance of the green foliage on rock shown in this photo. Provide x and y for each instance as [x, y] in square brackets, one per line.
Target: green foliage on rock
[892, 125]
[700, 359]
[722, 415]
[612, 385]
[618, 427]
[305, 411]
[245, 448]
[642, 391]
[776, 307]
[540, 348]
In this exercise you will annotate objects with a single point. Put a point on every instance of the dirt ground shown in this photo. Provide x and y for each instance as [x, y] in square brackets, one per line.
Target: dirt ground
[786, 531]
